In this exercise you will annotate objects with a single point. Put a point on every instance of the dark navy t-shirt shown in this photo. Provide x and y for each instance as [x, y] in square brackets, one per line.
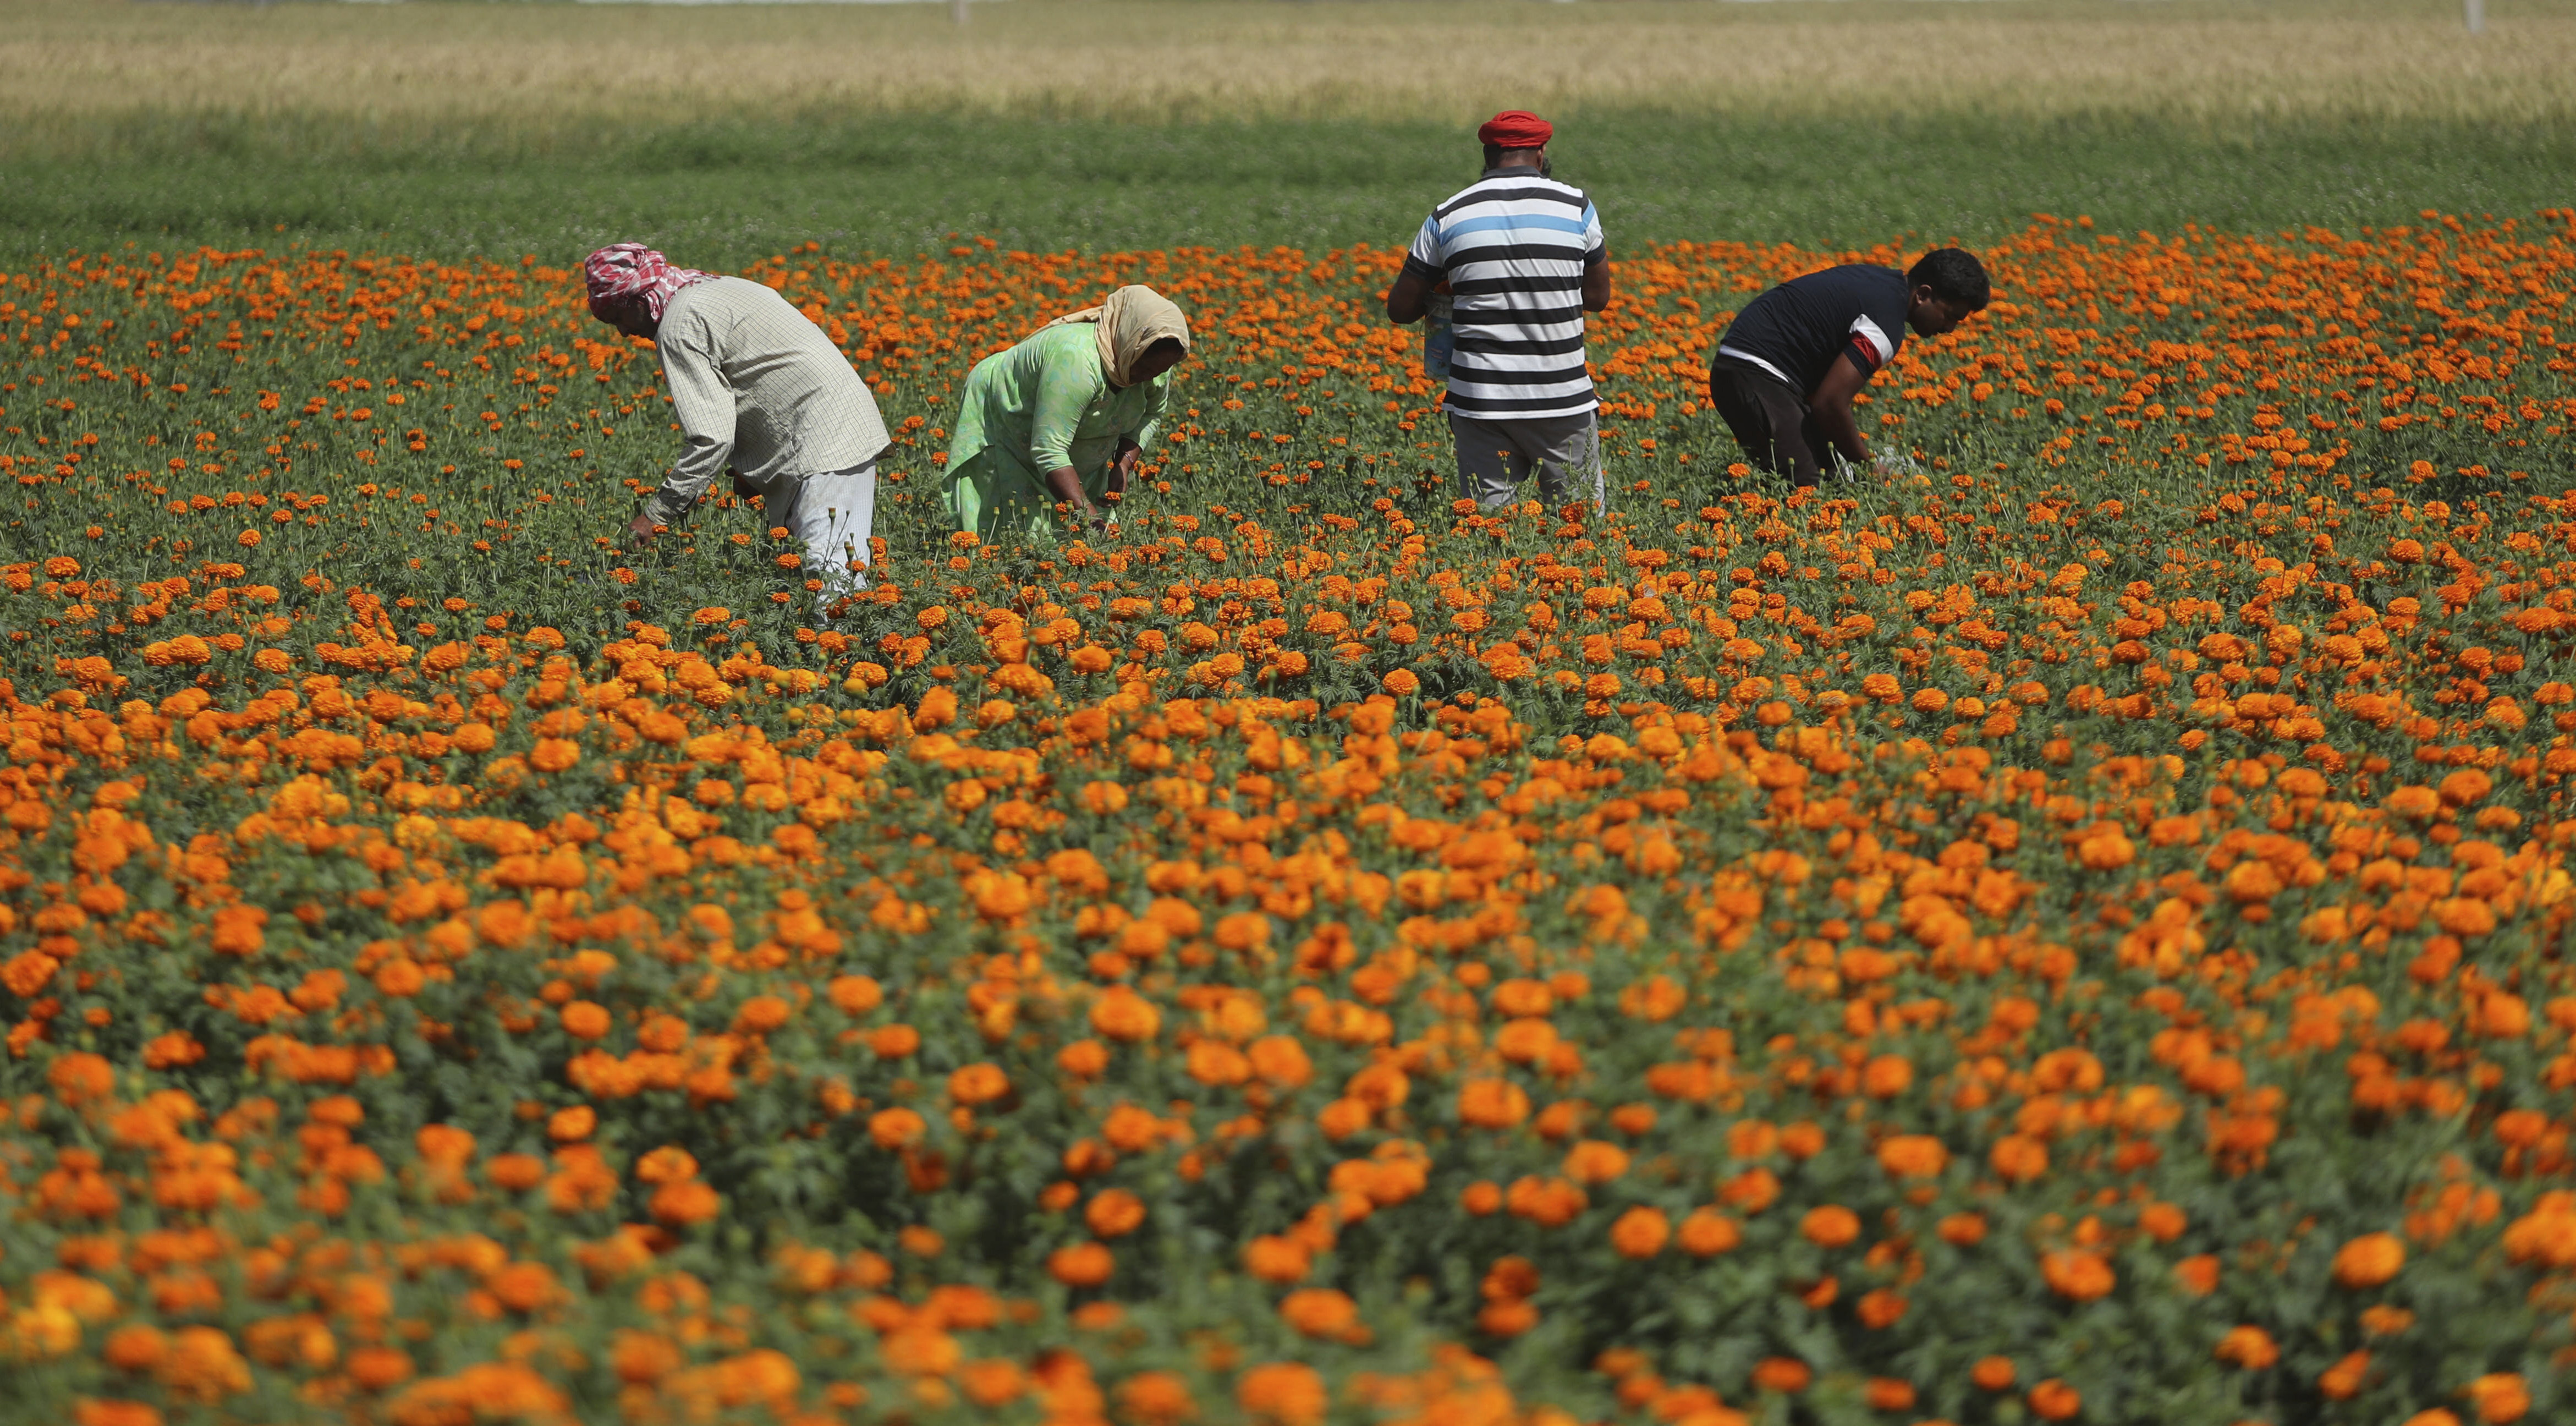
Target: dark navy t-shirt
[1797, 329]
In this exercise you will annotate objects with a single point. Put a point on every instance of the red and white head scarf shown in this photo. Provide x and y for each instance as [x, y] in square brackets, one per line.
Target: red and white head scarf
[631, 272]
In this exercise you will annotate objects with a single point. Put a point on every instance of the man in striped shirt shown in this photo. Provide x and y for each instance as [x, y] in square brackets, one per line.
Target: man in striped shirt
[1523, 260]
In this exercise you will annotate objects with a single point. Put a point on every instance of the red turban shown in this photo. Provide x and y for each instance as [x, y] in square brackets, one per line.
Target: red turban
[632, 272]
[1516, 129]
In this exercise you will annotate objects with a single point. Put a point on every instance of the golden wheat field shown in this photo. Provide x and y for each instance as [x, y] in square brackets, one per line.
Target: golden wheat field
[66, 62]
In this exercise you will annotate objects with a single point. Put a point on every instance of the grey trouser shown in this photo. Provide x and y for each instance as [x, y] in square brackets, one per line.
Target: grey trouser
[1494, 457]
[832, 512]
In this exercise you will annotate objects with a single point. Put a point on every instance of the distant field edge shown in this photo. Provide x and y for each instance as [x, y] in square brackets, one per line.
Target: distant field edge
[741, 187]
[845, 134]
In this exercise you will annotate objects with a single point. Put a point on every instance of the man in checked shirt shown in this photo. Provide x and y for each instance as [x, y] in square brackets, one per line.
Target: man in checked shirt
[758, 387]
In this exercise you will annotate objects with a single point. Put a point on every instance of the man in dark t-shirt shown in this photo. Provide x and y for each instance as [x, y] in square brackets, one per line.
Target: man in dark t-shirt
[1785, 372]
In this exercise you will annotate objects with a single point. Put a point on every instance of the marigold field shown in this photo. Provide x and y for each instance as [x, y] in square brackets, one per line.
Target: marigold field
[2074, 934]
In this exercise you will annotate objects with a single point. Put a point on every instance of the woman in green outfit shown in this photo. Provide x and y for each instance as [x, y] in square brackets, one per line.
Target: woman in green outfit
[1061, 418]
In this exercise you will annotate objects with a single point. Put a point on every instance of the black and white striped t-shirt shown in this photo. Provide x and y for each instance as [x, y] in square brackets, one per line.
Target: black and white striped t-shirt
[1513, 250]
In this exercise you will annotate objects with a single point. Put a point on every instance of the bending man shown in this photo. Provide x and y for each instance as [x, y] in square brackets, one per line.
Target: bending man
[1061, 419]
[758, 387]
[1524, 260]
[1789, 365]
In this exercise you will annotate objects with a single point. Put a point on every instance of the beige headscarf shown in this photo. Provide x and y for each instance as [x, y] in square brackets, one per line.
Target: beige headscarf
[1130, 320]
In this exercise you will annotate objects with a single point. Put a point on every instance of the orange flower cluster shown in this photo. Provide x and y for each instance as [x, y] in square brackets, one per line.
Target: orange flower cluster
[1311, 950]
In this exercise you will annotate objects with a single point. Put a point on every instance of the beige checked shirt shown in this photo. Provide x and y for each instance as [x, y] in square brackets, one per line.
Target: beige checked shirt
[760, 388]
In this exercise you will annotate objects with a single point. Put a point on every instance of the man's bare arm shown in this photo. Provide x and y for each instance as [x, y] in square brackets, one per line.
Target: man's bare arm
[1832, 404]
[1408, 299]
[1596, 285]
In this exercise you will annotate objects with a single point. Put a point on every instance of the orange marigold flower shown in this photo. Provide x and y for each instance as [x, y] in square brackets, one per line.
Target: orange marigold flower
[522, 1287]
[516, 1173]
[1123, 1015]
[1595, 1161]
[379, 1368]
[2106, 851]
[1830, 1226]
[919, 1351]
[1878, 1309]
[1320, 1312]
[81, 1078]
[855, 994]
[896, 1128]
[1705, 1233]
[1782, 1374]
[1114, 1213]
[1912, 1156]
[1511, 1276]
[677, 1205]
[2371, 1260]
[2248, 1347]
[2344, 1380]
[978, 1084]
[1282, 1394]
[992, 1382]
[573, 1124]
[667, 1164]
[554, 754]
[1084, 1059]
[1280, 1061]
[1081, 1265]
[1273, 1258]
[1641, 1232]
[2500, 1397]
[1156, 1398]
[894, 1042]
[237, 931]
[135, 1347]
[761, 1014]
[921, 1240]
[1889, 1394]
[28, 973]
[1492, 1103]
[1214, 1062]
[1244, 931]
[1343, 1118]
[2077, 1275]
[2054, 1400]
[2018, 1158]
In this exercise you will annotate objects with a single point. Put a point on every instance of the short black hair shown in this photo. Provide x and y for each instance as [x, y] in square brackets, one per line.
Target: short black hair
[1494, 153]
[1954, 275]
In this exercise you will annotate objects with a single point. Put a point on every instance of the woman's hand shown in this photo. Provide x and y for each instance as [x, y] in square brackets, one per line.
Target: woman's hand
[1065, 484]
[1122, 471]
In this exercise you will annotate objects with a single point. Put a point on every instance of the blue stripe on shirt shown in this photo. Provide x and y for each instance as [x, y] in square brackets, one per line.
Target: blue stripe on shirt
[1576, 226]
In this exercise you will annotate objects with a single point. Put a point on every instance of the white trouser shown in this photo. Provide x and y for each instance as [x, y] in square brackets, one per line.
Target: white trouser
[832, 514]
